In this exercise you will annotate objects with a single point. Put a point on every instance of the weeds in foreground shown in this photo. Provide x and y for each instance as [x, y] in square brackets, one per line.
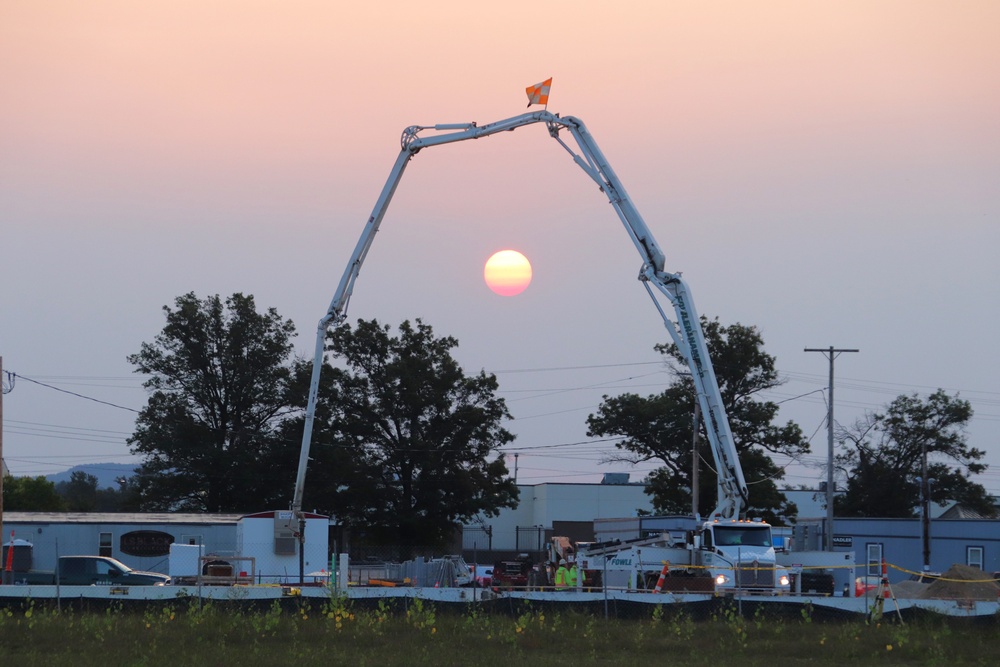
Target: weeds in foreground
[339, 632]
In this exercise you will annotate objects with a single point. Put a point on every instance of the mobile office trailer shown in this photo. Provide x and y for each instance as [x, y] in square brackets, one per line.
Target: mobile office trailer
[143, 540]
[140, 540]
[272, 540]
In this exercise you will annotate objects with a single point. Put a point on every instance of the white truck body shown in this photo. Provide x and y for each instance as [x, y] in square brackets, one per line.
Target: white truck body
[721, 557]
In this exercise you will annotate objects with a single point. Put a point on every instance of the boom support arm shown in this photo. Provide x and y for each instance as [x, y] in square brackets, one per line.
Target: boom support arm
[686, 332]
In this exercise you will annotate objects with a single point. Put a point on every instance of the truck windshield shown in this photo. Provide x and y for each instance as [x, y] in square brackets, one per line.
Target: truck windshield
[747, 536]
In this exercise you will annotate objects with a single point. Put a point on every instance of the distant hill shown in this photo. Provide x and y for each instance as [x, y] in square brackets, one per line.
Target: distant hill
[107, 474]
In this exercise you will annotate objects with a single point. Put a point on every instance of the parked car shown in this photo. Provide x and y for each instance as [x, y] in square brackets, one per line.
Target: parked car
[92, 571]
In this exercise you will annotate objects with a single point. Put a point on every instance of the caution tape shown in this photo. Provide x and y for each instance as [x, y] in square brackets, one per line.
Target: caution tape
[683, 566]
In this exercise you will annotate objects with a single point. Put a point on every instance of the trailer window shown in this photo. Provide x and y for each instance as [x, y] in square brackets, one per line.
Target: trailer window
[874, 558]
[104, 548]
[974, 557]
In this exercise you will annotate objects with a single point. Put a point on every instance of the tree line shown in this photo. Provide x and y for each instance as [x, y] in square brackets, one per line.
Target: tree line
[406, 445]
[81, 493]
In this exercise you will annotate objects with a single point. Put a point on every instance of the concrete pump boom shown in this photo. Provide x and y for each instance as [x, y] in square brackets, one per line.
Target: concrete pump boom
[686, 332]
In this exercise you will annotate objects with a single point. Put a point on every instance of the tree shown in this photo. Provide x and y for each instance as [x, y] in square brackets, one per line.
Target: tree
[405, 444]
[31, 494]
[82, 494]
[219, 377]
[659, 427]
[126, 498]
[884, 454]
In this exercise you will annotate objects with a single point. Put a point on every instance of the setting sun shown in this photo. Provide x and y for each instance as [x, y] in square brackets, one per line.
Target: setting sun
[507, 272]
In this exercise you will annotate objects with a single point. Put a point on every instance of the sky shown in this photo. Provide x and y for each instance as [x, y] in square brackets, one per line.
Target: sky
[826, 172]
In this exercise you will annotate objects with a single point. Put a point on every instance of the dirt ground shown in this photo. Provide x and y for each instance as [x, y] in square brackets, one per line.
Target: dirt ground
[960, 582]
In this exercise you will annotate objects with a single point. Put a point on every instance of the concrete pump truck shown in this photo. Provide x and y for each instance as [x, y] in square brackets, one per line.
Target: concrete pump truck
[723, 553]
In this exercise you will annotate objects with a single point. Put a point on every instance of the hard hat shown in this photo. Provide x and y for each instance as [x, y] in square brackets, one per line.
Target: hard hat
[562, 561]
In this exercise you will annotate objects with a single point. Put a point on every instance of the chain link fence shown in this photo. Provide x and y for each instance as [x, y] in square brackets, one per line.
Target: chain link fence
[894, 591]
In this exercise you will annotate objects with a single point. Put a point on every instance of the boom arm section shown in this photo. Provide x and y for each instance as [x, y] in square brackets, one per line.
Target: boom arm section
[411, 144]
[686, 332]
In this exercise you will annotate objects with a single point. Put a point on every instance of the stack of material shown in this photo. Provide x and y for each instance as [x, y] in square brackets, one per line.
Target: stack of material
[909, 590]
[962, 582]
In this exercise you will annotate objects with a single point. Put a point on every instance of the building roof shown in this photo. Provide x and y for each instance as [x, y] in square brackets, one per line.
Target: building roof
[122, 517]
[958, 511]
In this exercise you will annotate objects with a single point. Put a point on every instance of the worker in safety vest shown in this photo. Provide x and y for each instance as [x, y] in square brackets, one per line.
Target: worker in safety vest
[575, 573]
[562, 576]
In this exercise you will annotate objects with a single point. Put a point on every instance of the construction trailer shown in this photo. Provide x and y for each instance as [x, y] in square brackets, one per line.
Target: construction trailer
[143, 541]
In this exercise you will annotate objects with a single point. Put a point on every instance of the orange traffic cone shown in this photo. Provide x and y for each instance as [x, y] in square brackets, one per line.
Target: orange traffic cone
[10, 555]
[663, 576]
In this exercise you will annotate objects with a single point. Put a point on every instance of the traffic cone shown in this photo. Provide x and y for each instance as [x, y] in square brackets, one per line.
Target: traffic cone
[663, 576]
[10, 556]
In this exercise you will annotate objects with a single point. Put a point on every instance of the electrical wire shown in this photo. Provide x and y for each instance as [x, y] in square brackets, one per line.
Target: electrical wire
[871, 386]
[73, 393]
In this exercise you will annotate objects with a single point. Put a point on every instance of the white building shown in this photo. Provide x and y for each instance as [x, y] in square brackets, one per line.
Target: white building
[551, 509]
[143, 540]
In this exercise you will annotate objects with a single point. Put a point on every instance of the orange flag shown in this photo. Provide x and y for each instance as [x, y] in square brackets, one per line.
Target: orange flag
[539, 93]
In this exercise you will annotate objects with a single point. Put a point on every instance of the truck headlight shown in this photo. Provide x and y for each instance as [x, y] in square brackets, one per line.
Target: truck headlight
[721, 579]
[784, 580]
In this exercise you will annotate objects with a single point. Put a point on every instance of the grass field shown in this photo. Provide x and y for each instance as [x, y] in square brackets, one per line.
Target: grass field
[339, 633]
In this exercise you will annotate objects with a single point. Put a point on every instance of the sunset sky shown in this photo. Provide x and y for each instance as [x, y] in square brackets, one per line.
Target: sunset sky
[827, 172]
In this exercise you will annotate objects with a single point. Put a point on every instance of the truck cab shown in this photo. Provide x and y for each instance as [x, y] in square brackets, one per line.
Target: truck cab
[740, 555]
[104, 571]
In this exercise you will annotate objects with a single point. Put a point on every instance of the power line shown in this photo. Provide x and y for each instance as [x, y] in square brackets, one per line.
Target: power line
[578, 368]
[73, 393]
[25, 424]
[888, 385]
[797, 377]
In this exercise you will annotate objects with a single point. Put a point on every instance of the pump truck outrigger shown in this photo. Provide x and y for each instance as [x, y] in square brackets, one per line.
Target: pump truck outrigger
[686, 331]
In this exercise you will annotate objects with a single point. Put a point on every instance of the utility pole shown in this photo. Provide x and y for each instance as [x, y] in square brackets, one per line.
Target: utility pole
[925, 510]
[832, 353]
